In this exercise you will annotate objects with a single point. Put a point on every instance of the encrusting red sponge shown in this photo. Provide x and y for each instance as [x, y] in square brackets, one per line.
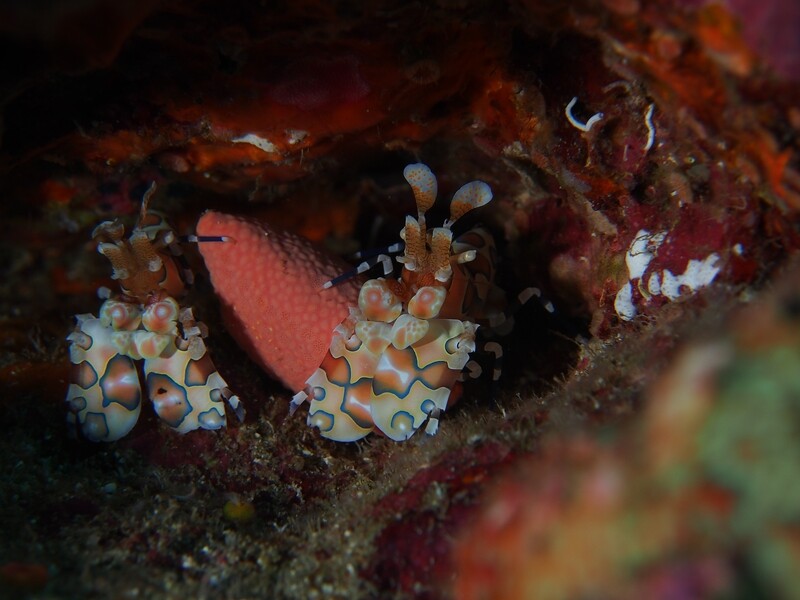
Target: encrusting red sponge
[270, 286]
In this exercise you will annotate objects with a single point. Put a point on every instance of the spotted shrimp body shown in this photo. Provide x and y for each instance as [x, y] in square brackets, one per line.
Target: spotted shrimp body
[393, 363]
[143, 324]
[104, 395]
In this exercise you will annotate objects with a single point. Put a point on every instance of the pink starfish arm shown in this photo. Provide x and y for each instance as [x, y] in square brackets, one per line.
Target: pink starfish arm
[270, 287]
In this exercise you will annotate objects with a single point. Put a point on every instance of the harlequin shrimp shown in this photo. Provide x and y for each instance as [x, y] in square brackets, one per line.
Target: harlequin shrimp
[393, 362]
[144, 322]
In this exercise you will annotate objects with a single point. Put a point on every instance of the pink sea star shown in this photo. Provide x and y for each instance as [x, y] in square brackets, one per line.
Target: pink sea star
[270, 287]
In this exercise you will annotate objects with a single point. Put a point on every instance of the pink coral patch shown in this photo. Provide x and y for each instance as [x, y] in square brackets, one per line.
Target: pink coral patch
[270, 287]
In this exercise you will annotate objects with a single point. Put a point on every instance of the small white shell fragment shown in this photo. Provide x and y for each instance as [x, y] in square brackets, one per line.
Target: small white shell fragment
[623, 303]
[698, 274]
[257, 141]
[641, 252]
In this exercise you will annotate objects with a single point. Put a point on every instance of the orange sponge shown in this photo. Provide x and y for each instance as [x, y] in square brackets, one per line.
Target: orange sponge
[270, 287]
